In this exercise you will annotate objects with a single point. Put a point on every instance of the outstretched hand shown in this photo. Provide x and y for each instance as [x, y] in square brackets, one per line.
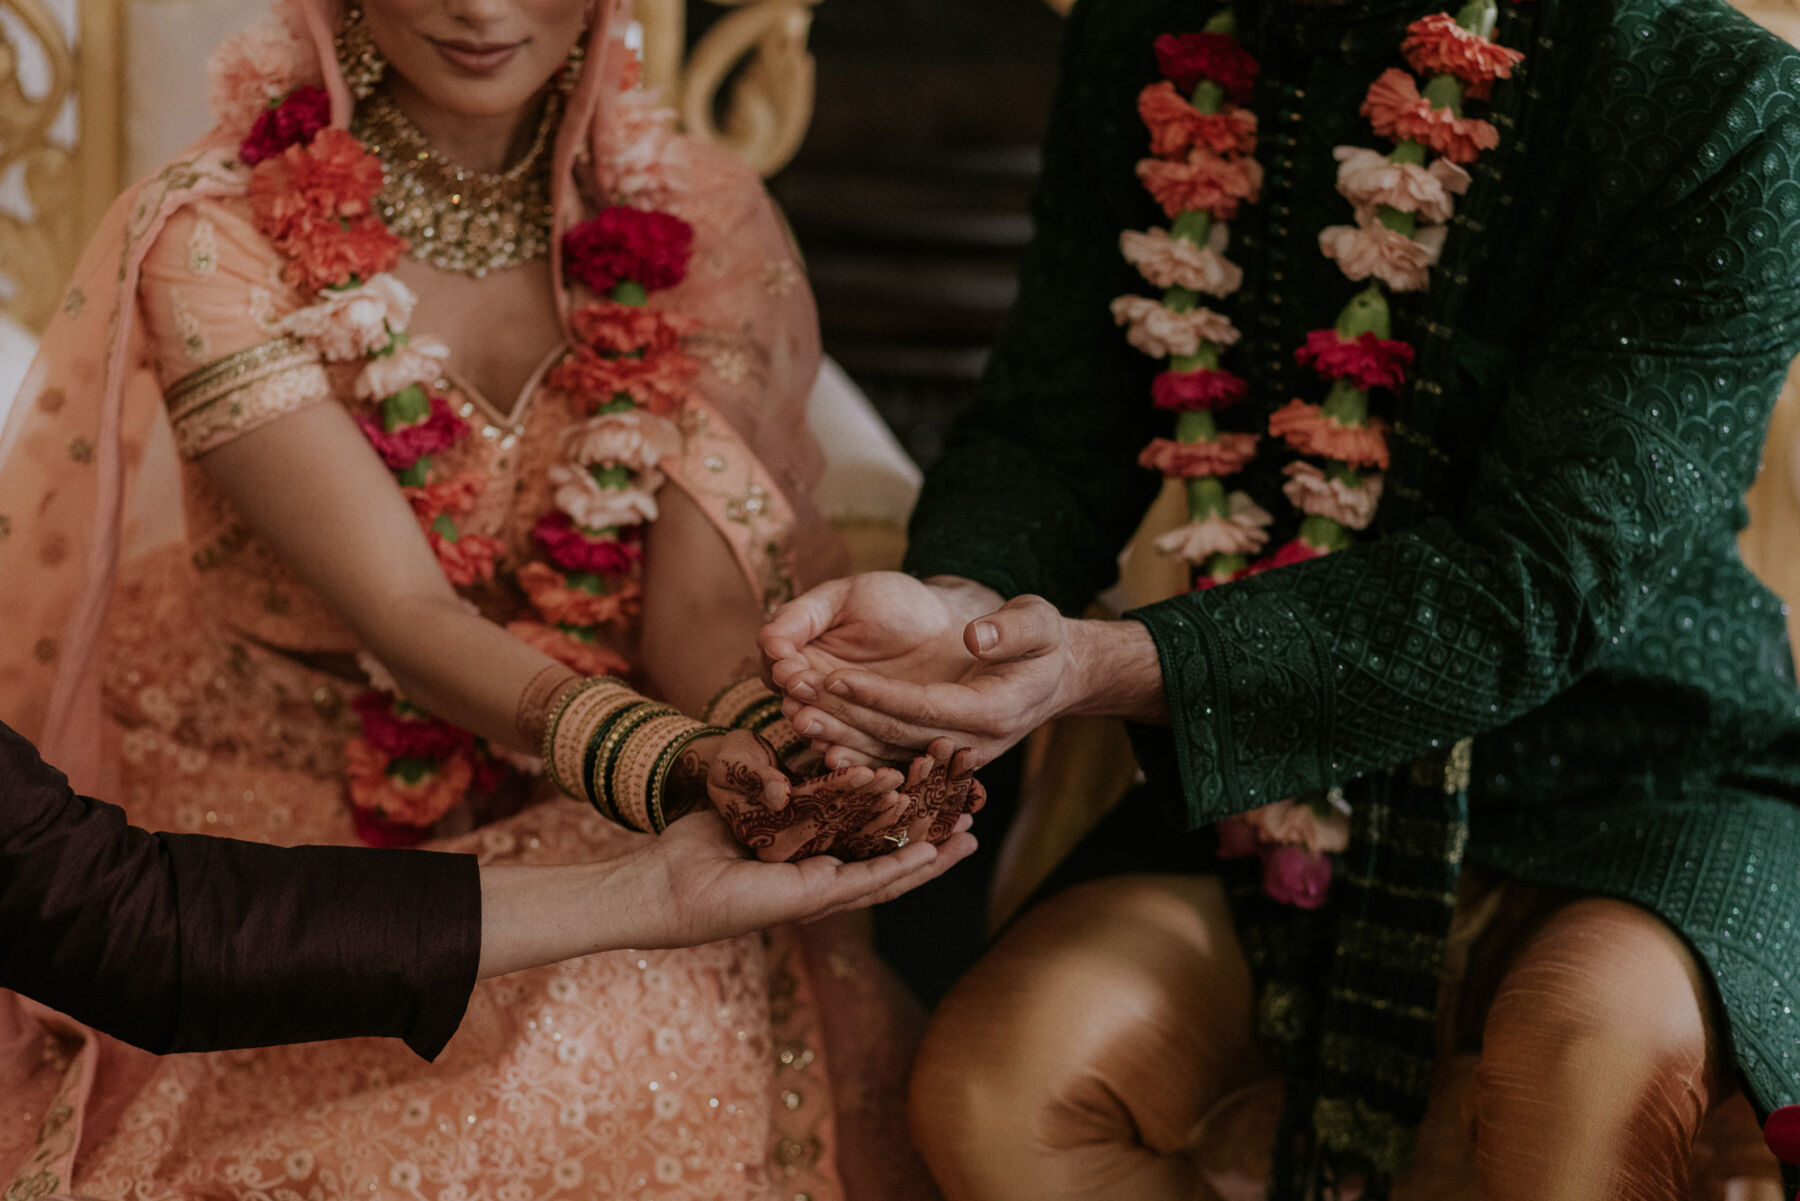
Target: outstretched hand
[780, 820]
[706, 886]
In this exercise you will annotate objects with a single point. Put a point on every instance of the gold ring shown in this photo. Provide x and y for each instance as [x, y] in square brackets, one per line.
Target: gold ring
[899, 838]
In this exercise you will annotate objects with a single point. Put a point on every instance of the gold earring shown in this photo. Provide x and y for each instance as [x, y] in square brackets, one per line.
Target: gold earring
[571, 72]
[357, 55]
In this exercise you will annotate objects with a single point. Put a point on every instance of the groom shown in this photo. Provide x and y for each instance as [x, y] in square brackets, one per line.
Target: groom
[1591, 347]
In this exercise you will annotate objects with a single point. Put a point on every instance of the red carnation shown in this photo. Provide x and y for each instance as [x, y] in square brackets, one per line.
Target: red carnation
[386, 835]
[293, 122]
[1297, 551]
[1365, 360]
[403, 447]
[620, 243]
[1207, 388]
[1186, 59]
[407, 735]
[572, 550]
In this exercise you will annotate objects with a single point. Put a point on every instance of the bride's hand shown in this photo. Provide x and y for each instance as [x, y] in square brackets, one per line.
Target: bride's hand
[780, 820]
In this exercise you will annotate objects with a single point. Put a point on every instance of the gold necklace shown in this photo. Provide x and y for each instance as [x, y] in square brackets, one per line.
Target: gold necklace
[455, 218]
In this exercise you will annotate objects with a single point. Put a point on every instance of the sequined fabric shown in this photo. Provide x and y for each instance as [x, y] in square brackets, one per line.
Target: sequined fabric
[1558, 576]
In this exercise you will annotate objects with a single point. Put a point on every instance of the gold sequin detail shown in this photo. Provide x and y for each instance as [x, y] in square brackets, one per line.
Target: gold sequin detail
[243, 389]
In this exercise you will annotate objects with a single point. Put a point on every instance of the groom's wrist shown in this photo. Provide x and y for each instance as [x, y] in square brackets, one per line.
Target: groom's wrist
[1115, 671]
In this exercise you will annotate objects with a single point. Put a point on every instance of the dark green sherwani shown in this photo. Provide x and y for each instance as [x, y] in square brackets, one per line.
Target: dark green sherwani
[1556, 571]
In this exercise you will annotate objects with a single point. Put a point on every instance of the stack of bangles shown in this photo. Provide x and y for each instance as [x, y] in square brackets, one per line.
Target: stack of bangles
[605, 742]
[747, 704]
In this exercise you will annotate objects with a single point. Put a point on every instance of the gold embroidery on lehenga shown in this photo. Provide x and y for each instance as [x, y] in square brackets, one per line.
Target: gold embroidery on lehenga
[243, 390]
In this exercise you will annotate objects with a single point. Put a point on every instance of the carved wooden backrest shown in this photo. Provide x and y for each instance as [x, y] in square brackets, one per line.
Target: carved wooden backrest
[747, 84]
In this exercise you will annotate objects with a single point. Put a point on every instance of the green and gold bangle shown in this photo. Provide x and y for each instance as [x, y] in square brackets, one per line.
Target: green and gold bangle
[747, 704]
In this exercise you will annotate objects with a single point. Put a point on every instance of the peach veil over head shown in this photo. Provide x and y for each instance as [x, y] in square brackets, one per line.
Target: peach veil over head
[88, 424]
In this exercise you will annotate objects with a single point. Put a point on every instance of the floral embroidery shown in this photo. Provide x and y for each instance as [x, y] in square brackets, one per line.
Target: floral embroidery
[203, 248]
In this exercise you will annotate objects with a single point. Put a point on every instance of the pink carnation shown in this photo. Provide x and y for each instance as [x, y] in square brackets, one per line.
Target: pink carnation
[1365, 360]
[573, 550]
[1368, 179]
[637, 440]
[419, 363]
[349, 324]
[1171, 262]
[252, 70]
[1160, 332]
[1243, 532]
[1207, 388]
[580, 496]
[1225, 455]
[1294, 876]
[1313, 493]
[402, 447]
[1370, 248]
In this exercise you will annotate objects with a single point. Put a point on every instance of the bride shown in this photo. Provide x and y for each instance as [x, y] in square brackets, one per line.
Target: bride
[488, 396]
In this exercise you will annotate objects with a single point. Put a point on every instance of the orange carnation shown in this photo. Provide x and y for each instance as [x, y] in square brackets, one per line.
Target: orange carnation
[563, 605]
[315, 203]
[588, 658]
[1176, 126]
[613, 328]
[1396, 110]
[455, 496]
[1309, 431]
[1204, 181]
[466, 558]
[1437, 45]
[1225, 455]
[390, 798]
[658, 382]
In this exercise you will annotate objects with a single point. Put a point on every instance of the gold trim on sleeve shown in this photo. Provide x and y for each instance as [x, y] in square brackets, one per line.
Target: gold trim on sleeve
[242, 391]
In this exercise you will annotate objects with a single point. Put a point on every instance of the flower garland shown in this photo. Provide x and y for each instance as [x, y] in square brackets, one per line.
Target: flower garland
[1200, 171]
[312, 193]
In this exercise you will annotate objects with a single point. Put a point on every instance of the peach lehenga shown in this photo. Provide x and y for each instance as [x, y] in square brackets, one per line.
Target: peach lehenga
[175, 666]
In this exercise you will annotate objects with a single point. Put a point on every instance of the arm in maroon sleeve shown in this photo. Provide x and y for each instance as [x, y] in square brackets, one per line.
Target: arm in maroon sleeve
[187, 943]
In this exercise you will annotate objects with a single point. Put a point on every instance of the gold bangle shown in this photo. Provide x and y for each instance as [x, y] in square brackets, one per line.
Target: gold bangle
[665, 766]
[637, 762]
[729, 705]
[568, 728]
[600, 770]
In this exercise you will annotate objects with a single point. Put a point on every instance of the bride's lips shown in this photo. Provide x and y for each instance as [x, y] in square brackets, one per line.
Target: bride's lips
[476, 58]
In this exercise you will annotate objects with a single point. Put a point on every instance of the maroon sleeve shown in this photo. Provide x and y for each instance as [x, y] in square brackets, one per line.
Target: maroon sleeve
[178, 942]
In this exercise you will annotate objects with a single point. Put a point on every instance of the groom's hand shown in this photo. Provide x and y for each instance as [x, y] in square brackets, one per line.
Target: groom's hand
[883, 622]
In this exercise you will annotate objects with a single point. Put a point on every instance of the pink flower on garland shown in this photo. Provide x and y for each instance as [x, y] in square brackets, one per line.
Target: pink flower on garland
[574, 550]
[1369, 179]
[1244, 531]
[1294, 876]
[1314, 493]
[1187, 58]
[1160, 332]
[620, 243]
[1370, 248]
[1308, 430]
[1176, 126]
[1225, 455]
[293, 122]
[1207, 388]
[1365, 360]
[1396, 110]
[407, 735]
[1171, 262]
[1437, 45]
[400, 448]
[251, 71]
[1203, 182]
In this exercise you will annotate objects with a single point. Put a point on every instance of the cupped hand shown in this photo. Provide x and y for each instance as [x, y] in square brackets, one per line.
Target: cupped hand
[885, 622]
[706, 886]
[1022, 671]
